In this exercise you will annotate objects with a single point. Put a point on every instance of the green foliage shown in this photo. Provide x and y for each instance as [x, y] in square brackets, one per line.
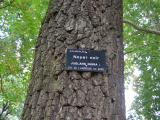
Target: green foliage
[143, 50]
[20, 22]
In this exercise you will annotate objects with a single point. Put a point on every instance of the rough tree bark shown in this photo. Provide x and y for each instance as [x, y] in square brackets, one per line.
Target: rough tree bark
[57, 94]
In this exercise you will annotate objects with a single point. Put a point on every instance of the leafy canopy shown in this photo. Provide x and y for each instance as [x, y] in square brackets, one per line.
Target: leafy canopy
[142, 50]
[20, 22]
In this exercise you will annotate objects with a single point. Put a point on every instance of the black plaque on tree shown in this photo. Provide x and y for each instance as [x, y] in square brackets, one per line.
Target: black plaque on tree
[86, 60]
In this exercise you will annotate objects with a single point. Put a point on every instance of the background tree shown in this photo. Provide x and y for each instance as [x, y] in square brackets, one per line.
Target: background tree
[55, 93]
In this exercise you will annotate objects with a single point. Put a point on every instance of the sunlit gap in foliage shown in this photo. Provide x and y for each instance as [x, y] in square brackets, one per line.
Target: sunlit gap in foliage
[3, 28]
[130, 92]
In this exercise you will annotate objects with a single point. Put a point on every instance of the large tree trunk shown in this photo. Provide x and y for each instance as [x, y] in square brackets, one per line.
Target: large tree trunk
[57, 94]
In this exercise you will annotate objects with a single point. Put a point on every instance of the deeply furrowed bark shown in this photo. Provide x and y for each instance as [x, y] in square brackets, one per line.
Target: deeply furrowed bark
[57, 94]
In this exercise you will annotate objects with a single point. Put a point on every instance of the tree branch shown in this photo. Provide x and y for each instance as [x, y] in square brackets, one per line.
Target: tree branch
[1, 88]
[4, 112]
[140, 28]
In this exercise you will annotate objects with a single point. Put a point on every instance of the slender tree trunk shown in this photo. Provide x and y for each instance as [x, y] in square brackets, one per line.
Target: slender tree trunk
[57, 94]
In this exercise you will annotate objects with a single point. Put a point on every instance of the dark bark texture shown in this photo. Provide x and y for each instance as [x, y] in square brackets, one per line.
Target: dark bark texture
[57, 94]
